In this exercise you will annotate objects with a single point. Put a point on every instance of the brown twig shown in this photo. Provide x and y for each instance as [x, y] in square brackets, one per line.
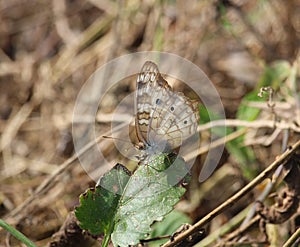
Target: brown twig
[293, 239]
[238, 232]
[14, 125]
[282, 159]
[250, 124]
[221, 123]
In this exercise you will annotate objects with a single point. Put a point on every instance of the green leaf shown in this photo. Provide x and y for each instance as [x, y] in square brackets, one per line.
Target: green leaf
[148, 197]
[245, 155]
[207, 115]
[246, 112]
[124, 206]
[168, 226]
[98, 206]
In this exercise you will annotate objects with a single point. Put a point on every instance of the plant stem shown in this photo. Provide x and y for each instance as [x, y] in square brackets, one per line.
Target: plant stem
[13, 231]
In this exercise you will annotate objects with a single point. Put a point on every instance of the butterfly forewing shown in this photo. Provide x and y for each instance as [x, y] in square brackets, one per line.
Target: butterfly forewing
[163, 116]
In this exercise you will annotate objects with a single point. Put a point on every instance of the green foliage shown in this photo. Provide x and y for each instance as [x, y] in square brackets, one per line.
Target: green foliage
[98, 206]
[274, 75]
[124, 206]
[168, 226]
[206, 115]
[246, 112]
[243, 155]
[224, 20]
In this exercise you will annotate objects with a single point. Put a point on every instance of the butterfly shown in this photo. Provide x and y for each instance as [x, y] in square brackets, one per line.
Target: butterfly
[164, 118]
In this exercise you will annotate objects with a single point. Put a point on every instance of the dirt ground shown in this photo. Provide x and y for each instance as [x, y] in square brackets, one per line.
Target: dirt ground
[49, 49]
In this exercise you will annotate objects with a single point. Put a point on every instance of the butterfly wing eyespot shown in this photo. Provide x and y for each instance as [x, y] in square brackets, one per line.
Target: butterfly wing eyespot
[140, 146]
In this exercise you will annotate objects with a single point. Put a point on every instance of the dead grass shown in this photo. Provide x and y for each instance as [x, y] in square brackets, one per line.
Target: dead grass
[48, 49]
